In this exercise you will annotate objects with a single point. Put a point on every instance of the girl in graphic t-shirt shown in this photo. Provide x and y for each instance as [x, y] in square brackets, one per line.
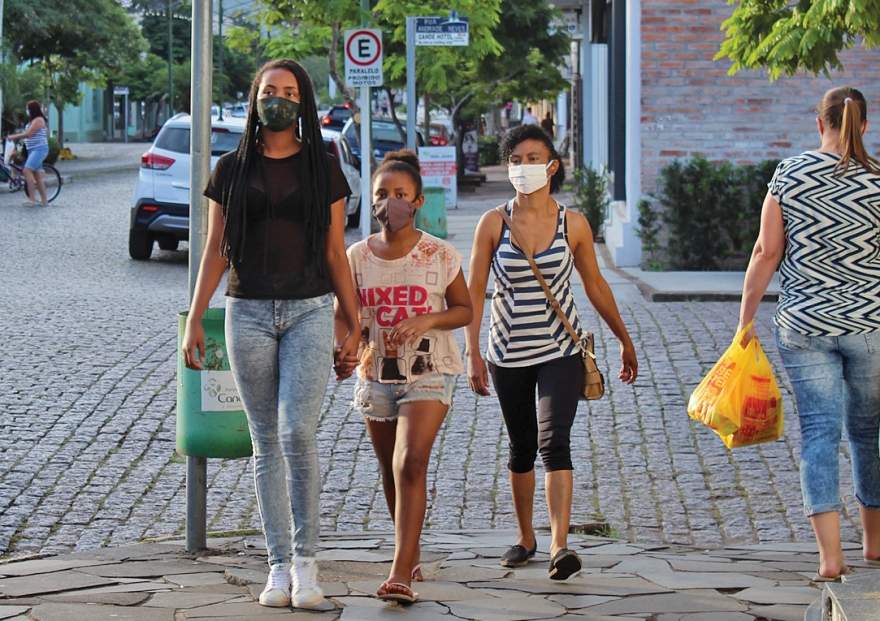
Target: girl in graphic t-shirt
[412, 295]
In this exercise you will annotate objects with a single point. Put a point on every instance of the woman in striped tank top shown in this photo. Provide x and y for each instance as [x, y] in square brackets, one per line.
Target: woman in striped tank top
[37, 142]
[529, 349]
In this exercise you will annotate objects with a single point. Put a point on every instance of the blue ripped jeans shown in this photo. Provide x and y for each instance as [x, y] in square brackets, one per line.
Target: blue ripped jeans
[281, 353]
[836, 382]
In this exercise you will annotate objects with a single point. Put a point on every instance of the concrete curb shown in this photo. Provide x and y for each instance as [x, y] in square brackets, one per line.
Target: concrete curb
[71, 176]
[653, 295]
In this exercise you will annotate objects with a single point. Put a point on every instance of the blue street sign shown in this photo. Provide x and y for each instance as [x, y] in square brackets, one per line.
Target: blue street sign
[451, 30]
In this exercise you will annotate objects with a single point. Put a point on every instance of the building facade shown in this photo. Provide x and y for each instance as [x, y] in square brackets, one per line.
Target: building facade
[652, 93]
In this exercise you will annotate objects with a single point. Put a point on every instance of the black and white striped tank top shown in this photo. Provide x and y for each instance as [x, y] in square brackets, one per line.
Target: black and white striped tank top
[38, 140]
[524, 329]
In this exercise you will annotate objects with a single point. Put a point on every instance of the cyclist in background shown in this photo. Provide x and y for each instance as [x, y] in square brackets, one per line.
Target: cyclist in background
[36, 139]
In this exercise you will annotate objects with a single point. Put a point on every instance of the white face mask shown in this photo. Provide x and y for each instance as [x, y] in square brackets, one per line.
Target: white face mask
[528, 178]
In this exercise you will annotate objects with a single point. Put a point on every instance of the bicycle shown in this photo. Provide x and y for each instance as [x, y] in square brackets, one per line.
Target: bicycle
[14, 173]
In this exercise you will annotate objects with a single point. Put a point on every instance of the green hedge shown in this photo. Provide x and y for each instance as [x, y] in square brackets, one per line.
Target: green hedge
[705, 216]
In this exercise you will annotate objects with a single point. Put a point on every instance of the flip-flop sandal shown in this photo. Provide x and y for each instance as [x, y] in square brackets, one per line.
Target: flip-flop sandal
[820, 578]
[403, 594]
[872, 562]
[417, 575]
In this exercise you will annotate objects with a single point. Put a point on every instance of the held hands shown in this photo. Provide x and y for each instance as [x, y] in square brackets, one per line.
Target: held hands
[193, 345]
[629, 364]
[411, 330]
[478, 374]
[345, 356]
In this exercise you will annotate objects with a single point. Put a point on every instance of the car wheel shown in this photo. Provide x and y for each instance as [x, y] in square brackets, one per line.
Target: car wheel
[140, 245]
[168, 243]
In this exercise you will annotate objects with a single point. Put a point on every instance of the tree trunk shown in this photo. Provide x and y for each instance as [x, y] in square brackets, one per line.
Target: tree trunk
[59, 105]
[391, 105]
[108, 111]
[334, 69]
[457, 127]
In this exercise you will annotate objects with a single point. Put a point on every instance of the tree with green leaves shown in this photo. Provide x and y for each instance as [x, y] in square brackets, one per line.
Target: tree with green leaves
[74, 41]
[785, 37]
[299, 29]
[302, 28]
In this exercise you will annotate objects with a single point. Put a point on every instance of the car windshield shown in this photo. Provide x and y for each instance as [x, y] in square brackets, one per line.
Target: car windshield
[339, 114]
[177, 139]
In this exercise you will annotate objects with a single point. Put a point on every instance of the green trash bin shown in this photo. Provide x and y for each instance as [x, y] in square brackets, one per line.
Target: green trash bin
[431, 218]
[210, 418]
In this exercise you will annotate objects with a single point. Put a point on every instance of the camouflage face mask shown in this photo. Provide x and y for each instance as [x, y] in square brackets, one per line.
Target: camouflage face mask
[277, 113]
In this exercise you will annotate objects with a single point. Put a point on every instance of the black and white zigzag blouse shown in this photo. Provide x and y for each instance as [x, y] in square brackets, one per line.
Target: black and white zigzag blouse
[830, 275]
[524, 329]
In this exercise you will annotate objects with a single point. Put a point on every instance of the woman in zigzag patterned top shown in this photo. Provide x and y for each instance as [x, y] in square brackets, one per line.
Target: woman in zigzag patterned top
[530, 347]
[821, 218]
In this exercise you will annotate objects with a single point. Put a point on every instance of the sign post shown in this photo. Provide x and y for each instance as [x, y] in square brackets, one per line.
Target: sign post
[363, 68]
[199, 171]
[412, 105]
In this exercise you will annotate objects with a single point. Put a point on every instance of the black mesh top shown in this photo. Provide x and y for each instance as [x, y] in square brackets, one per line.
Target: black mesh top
[276, 263]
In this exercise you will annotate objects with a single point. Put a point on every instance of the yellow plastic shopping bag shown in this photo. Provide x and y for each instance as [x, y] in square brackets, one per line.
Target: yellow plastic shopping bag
[739, 398]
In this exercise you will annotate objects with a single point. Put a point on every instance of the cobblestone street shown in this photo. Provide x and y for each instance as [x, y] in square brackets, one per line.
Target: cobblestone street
[87, 411]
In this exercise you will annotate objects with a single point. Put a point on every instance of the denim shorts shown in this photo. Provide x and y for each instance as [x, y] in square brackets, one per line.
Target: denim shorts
[35, 157]
[381, 402]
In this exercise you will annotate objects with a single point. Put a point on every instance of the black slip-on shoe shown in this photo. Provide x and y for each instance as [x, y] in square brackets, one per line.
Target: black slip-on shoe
[518, 556]
[564, 565]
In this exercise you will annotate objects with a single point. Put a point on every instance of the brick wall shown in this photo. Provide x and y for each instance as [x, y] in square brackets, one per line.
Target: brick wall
[690, 105]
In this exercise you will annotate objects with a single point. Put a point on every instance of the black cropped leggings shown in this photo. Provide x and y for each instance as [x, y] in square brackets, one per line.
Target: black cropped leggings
[559, 384]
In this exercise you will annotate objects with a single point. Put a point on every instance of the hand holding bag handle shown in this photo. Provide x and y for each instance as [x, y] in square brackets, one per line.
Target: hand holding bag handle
[594, 382]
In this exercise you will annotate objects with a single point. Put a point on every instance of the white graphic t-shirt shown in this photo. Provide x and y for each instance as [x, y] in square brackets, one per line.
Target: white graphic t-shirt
[391, 291]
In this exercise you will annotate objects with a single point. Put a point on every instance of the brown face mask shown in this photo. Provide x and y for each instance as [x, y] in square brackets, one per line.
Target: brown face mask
[393, 213]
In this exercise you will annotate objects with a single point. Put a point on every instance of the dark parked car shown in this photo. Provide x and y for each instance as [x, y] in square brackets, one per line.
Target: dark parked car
[385, 138]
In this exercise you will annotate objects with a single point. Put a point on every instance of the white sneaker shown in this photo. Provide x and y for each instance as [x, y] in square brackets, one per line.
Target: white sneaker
[304, 580]
[277, 591]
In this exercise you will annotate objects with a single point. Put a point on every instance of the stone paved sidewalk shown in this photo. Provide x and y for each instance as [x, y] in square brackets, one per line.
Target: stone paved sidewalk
[620, 582]
[87, 411]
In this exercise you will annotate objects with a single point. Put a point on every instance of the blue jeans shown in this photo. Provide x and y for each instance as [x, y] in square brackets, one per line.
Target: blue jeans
[836, 382]
[281, 353]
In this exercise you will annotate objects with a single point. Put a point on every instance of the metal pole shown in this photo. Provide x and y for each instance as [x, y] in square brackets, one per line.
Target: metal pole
[412, 105]
[366, 143]
[220, 53]
[199, 171]
[366, 151]
[125, 119]
[170, 62]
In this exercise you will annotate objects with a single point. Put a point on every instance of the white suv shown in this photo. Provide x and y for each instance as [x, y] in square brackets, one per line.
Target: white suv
[161, 197]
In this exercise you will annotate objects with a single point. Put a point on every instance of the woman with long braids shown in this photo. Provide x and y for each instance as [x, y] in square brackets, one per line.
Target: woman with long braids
[276, 220]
